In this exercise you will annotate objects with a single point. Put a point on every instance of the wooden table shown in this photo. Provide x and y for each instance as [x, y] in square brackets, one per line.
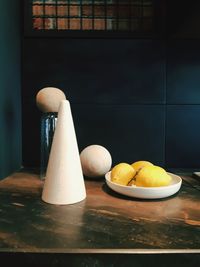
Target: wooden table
[106, 229]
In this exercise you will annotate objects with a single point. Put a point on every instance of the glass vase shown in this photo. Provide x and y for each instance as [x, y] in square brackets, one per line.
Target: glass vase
[48, 125]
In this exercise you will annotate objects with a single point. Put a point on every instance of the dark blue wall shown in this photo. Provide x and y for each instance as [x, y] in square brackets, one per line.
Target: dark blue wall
[10, 73]
[139, 98]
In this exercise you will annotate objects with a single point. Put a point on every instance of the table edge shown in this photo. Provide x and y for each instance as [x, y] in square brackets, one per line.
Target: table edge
[99, 251]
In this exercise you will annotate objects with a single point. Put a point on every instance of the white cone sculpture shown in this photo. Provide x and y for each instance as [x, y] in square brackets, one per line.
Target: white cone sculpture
[64, 183]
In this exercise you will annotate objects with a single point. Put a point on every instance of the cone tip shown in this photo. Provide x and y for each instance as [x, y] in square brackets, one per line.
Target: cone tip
[64, 101]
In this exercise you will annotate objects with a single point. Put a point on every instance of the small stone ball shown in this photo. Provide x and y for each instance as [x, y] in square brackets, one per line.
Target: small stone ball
[48, 99]
[96, 161]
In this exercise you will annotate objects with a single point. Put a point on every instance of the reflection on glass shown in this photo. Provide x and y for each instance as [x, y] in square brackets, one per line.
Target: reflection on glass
[48, 125]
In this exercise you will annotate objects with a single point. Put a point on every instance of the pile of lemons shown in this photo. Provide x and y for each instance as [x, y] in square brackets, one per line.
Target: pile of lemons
[140, 173]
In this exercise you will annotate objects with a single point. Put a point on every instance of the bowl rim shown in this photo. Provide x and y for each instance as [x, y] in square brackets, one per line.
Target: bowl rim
[107, 177]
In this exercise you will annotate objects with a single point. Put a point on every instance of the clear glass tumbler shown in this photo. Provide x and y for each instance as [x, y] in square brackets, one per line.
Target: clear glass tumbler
[48, 125]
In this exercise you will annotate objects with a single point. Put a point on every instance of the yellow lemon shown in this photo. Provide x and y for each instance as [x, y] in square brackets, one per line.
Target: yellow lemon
[140, 164]
[122, 173]
[152, 176]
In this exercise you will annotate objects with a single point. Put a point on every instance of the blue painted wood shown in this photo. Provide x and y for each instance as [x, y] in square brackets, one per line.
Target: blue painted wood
[97, 70]
[130, 133]
[97, 75]
[182, 135]
[10, 87]
[183, 69]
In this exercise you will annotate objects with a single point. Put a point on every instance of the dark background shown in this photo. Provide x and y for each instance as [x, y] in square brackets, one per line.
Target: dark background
[10, 87]
[138, 97]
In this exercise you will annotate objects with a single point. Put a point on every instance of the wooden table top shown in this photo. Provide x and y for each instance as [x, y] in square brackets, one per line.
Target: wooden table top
[104, 222]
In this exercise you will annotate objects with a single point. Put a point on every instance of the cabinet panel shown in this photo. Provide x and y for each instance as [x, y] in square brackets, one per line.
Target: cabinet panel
[182, 136]
[96, 71]
[183, 80]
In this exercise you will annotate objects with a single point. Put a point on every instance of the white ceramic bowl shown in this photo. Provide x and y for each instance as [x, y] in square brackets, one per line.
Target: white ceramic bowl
[146, 192]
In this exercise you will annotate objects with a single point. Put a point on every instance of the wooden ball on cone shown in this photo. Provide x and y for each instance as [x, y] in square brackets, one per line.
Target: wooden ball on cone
[48, 99]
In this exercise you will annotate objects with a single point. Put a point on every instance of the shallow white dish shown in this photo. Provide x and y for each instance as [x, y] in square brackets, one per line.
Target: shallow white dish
[147, 192]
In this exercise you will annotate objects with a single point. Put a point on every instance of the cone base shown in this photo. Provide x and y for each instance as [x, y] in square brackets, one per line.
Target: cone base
[69, 202]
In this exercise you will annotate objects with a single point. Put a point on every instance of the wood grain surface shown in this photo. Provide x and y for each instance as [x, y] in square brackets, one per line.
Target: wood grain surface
[104, 222]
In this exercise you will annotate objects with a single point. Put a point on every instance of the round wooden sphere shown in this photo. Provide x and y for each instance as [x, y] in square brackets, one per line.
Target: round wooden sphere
[48, 99]
[95, 160]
